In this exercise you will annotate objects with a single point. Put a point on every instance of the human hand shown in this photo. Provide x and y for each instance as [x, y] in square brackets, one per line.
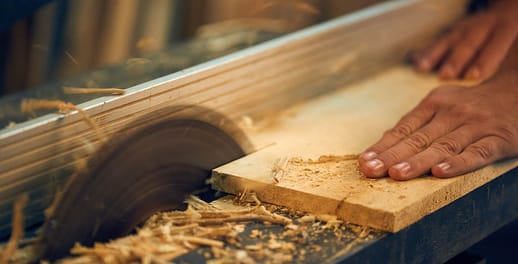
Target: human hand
[475, 47]
[454, 130]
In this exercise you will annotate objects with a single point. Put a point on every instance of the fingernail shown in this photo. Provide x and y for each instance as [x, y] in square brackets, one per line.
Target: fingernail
[402, 167]
[369, 155]
[374, 164]
[446, 72]
[444, 166]
[473, 74]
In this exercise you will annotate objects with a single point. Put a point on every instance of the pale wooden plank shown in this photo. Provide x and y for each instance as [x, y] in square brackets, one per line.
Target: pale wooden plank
[346, 122]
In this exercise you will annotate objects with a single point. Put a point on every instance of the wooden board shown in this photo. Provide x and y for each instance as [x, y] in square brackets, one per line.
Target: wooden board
[346, 122]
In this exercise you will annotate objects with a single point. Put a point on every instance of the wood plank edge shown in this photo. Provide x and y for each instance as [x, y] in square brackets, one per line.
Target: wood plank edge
[297, 200]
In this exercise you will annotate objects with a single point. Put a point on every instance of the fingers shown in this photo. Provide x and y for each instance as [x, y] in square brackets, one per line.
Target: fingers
[473, 50]
[427, 59]
[411, 122]
[493, 53]
[415, 143]
[476, 155]
[464, 50]
[444, 147]
[410, 146]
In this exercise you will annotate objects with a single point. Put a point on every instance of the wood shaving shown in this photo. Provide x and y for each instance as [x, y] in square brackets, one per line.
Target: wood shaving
[330, 158]
[247, 122]
[211, 232]
[306, 7]
[71, 58]
[167, 235]
[279, 169]
[79, 90]
[137, 61]
[362, 236]
[198, 241]
[31, 105]
[243, 194]
[10, 124]
[147, 45]
[138, 65]
[307, 219]
[17, 229]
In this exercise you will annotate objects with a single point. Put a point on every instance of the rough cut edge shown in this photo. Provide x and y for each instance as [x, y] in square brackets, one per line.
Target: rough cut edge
[361, 214]
[460, 186]
[354, 213]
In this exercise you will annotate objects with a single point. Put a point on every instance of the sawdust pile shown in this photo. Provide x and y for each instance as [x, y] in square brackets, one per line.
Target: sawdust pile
[327, 169]
[228, 230]
[168, 235]
[247, 232]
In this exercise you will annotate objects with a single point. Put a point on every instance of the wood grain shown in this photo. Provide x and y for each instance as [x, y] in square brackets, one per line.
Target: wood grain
[346, 122]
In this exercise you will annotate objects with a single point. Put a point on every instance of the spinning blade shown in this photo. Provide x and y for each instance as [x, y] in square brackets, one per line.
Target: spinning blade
[136, 175]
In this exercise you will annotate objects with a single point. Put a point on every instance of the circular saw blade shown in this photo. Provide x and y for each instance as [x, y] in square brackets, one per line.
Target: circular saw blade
[136, 175]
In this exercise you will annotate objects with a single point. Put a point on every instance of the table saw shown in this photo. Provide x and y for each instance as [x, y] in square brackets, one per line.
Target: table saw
[308, 94]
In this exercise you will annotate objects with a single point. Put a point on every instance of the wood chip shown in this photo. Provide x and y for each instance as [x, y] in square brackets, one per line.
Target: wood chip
[79, 90]
[31, 105]
[17, 230]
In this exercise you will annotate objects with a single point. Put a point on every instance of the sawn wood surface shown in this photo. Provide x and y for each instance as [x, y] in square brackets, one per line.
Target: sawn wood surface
[342, 123]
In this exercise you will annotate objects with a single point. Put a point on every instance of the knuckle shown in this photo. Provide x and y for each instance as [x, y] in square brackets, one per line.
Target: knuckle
[440, 97]
[390, 157]
[401, 131]
[418, 141]
[431, 101]
[428, 104]
[476, 117]
[378, 148]
[483, 151]
[437, 95]
[505, 132]
[446, 146]
[463, 110]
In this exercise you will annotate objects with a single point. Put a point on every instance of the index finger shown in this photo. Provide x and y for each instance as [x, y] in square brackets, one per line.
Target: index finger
[411, 122]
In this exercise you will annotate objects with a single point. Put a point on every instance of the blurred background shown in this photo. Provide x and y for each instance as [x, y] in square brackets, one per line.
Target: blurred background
[50, 42]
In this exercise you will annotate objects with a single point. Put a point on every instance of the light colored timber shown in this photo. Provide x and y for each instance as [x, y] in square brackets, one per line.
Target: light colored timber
[36, 156]
[344, 122]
